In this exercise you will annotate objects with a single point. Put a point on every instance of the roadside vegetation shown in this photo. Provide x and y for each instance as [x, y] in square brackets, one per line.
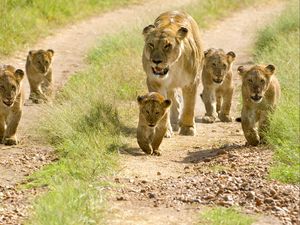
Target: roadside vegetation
[89, 121]
[279, 44]
[225, 216]
[24, 21]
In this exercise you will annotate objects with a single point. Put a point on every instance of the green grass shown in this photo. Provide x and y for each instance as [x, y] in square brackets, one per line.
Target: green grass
[225, 216]
[24, 21]
[279, 44]
[87, 124]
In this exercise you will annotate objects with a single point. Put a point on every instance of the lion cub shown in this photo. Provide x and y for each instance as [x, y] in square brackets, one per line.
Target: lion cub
[12, 99]
[217, 85]
[260, 92]
[153, 121]
[39, 74]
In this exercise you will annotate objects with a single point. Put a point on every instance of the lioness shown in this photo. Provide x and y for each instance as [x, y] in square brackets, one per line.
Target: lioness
[260, 92]
[39, 74]
[12, 99]
[217, 84]
[172, 58]
[153, 120]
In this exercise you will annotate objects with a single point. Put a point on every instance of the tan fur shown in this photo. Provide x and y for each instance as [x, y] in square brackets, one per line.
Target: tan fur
[12, 99]
[152, 124]
[172, 59]
[39, 74]
[217, 85]
[260, 92]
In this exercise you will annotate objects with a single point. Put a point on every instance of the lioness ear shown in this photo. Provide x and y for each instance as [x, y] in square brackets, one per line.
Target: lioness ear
[182, 33]
[230, 56]
[167, 103]
[270, 69]
[148, 29]
[50, 52]
[140, 99]
[241, 70]
[19, 74]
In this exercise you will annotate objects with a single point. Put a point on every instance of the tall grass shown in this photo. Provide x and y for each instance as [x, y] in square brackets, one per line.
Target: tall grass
[86, 125]
[279, 44]
[23, 21]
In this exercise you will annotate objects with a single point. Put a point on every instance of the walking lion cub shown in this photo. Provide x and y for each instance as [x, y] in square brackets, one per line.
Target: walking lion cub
[12, 99]
[153, 121]
[260, 93]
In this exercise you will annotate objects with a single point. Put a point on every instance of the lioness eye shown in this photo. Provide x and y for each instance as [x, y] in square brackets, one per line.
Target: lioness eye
[2, 87]
[147, 112]
[168, 46]
[262, 81]
[214, 64]
[157, 113]
[250, 81]
[13, 88]
[150, 45]
[224, 65]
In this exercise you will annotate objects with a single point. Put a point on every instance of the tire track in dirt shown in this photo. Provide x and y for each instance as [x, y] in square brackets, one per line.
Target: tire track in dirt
[168, 189]
[71, 45]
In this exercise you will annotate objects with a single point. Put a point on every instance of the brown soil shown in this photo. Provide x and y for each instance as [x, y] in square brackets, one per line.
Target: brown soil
[157, 190]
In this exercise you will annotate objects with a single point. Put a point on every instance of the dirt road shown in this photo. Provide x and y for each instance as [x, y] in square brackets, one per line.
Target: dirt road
[183, 157]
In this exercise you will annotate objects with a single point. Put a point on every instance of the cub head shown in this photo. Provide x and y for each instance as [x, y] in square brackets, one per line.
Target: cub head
[40, 59]
[162, 48]
[153, 107]
[10, 81]
[218, 63]
[256, 80]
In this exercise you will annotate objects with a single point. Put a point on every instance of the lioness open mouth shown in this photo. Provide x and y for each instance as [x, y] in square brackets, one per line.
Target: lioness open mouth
[160, 71]
[256, 98]
[9, 104]
[217, 81]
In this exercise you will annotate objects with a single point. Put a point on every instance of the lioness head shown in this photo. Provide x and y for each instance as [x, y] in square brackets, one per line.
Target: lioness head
[256, 80]
[10, 81]
[218, 63]
[153, 107]
[41, 60]
[163, 48]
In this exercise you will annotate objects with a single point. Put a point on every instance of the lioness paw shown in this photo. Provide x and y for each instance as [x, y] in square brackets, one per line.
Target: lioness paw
[187, 131]
[207, 119]
[10, 141]
[156, 152]
[225, 118]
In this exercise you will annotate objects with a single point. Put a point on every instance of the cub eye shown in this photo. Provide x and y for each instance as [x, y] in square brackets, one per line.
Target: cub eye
[250, 81]
[150, 45]
[147, 112]
[262, 81]
[168, 46]
[214, 64]
[13, 88]
[2, 87]
[224, 65]
[157, 113]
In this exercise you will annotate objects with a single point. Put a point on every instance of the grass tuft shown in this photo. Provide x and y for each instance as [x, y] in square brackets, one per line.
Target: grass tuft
[225, 216]
[279, 44]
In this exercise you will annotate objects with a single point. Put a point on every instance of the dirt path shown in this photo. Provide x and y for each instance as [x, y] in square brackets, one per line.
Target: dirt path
[213, 168]
[71, 45]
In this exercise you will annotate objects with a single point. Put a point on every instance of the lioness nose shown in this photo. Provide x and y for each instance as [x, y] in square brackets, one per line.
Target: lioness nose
[156, 61]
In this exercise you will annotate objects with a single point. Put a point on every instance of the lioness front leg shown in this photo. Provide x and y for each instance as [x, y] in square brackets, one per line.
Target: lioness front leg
[209, 100]
[11, 129]
[249, 128]
[175, 109]
[225, 109]
[187, 123]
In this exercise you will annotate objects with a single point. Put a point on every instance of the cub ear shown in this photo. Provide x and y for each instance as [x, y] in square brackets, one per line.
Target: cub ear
[30, 54]
[241, 70]
[148, 29]
[50, 52]
[208, 52]
[270, 69]
[167, 103]
[231, 56]
[182, 33]
[19, 74]
[140, 99]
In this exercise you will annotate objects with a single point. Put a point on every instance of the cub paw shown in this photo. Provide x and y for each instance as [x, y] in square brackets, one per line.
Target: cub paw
[207, 119]
[187, 131]
[156, 152]
[225, 118]
[10, 141]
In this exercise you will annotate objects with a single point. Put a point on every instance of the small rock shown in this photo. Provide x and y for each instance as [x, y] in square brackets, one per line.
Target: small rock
[251, 194]
[151, 195]
[121, 198]
[158, 173]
